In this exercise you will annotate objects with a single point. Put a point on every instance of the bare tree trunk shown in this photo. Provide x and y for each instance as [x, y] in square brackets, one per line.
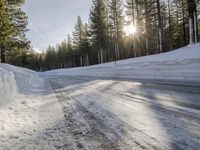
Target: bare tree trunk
[135, 46]
[139, 50]
[159, 26]
[134, 21]
[170, 26]
[87, 60]
[99, 60]
[132, 12]
[184, 29]
[147, 31]
[116, 58]
[191, 28]
[81, 61]
[155, 39]
[3, 56]
[137, 13]
[117, 50]
[195, 27]
[192, 18]
[101, 55]
[106, 56]
[117, 32]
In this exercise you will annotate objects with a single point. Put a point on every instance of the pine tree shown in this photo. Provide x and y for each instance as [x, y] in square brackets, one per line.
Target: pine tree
[61, 55]
[6, 28]
[85, 46]
[78, 40]
[19, 20]
[130, 13]
[98, 27]
[109, 35]
[78, 34]
[132, 16]
[13, 26]
[69, 42]
[179, 23]
[50, 57]
[117, 22]
[70, 53]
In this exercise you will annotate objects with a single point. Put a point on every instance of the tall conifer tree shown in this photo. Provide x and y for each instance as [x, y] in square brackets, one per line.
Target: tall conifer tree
[98, 27]
[117, 20]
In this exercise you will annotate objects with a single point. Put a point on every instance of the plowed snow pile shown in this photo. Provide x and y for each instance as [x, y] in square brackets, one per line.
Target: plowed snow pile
[25, 108]
[180, 65]
[8, 86]
[25, 78]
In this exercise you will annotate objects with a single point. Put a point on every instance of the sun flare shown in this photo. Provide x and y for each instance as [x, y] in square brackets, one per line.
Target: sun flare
[130, 29]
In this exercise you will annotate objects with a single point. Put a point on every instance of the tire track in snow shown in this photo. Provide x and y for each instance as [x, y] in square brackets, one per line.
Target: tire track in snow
[92, 126]
[182, 121]
[87, 130]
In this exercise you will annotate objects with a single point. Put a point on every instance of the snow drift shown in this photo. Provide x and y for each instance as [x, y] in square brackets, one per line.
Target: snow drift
[7, 86]
[15, 79]
[25, 78]
[180, 65]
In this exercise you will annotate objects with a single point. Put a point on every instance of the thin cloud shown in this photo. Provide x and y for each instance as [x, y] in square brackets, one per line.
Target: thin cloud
[50, 21]
[34, 28]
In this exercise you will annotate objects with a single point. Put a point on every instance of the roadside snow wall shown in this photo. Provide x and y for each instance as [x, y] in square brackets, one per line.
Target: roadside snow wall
[8, 86]
[24, 77]
[16, 79]
[181, 65]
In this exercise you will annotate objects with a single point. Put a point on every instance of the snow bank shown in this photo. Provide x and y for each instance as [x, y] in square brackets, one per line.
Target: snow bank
[181, 54]
[15, 80]
[8, 86]
[25, 113]
[25, 78]
[182, 64]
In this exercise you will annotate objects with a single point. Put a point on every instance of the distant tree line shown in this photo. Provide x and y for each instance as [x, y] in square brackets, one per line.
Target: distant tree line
[153, 26]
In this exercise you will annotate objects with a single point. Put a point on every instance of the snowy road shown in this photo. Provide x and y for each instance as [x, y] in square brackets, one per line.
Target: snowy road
[150, 102]
[106, 113]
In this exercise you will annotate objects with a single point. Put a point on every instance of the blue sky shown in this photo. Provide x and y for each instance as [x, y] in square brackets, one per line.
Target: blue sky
[50, 21]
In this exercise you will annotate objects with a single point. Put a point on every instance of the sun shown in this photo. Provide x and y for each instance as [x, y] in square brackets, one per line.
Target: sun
[130, 29]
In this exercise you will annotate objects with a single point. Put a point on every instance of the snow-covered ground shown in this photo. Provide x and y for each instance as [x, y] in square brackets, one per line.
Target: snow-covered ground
[25, 110]
[180, 65]
[8, 86]
[150, 102]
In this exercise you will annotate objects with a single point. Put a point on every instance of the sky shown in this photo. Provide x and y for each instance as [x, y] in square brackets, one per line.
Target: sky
[50, 21]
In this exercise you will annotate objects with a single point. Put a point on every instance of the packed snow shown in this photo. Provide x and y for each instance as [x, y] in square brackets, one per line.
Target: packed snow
[24, 78]
[104, 106]
[25, 109]
[8, 86]
[180, 65]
